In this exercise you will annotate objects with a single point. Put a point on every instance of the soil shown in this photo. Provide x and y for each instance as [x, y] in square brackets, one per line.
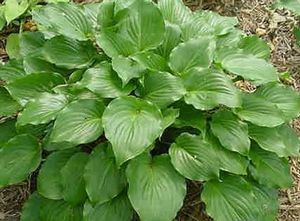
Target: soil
[256, 17]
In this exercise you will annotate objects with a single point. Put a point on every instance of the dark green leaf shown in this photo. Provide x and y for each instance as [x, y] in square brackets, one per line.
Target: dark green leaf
[19, 157]
[11, 70]
[80, 122]
[153, 183]
[269, 169]
[49, 182]
[194, 158]
[7, 131]
[30, 86]
[107, 181]
[11, 106]
[30, 42]
[31, 209]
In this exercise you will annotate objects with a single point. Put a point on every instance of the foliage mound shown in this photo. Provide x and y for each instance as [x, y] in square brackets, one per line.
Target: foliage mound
[120, 103]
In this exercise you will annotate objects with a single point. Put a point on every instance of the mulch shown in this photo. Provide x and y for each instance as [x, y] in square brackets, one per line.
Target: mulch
[256, 17]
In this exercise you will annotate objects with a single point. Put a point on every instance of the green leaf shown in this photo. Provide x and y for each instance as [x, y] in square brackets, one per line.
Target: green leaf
[106, 14]
[174, 11]
[108, 180]
[255, 46]
[115, 44]
[30, 86]
[124, 122]
[293, 5]
[194, 158]
[31, 208]
[102, 80]
[72, 179]
[127, 68]
[69, 53]
[31, 42]
[285, 98]
[234, 195]
[162, 88]
[54, 210]
[91, 11]
[297, 35]
[11, 106]
[269, 169]
[49, 182]
[268, 199]
[63, 18]
[152, 183]
[169, 116]
[43, 109]
[118, 208]
[11, 71]
[15, 8]
[171, 40]
[12, 46]
[251, 68]
[232, 132]
[195, 53]
[2, 17]
[207, 89]
[79, 123]
[191, 117]
[281, 140]
[7, 131]
[259, 111]
[151, 61]
[143, 25]
[229, 161]
[19, 157]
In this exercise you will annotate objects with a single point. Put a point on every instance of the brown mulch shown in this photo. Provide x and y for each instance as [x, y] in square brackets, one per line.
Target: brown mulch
[255, 17]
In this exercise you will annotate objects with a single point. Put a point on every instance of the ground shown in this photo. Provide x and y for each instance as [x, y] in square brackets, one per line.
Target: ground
[256, 17]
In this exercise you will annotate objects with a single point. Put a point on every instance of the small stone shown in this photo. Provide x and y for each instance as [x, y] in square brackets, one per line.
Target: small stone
[261, 32]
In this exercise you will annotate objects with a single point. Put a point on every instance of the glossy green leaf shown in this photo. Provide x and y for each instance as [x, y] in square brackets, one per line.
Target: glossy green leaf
[285, 98]
[123, 121]
[259, 111]
[194, 158]
[171, 40]
[11, 106]
[234, 195]
[102, 80]
[207, 89]
[80, 122]
[15, 8]
[30, 42]
[281, 140]
[107, 181]
[169, 117]
[195, 53]
[11, 71]
[7, 131]
[72, 179]
[12, 46]
[127, 68]
[152, 183]
[251, 68]
[43, 109]
[30, 86]
[151, 61]
[229, 161]
[19, 157]
[69, 53]
[174, 11]
[31, 209]
[255, 46]
[143, 25]
[232, 132]
[269, 169]
[54, 210]
[162, 88]
[49, 182]
[118, 208]
[191, 117]
[268, 199]
[2, 17]
[63, 18]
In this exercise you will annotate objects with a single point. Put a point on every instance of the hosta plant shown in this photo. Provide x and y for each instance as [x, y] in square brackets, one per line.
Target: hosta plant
[117, 105]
